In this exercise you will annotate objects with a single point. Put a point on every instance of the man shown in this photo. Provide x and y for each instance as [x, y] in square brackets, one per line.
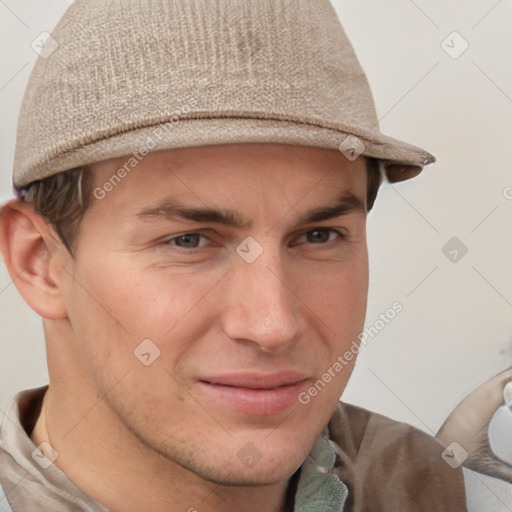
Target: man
[193, 180]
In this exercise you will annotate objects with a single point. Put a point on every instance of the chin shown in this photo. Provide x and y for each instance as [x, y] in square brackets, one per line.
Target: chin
[239, 463]
[234, 455]
[261, 474]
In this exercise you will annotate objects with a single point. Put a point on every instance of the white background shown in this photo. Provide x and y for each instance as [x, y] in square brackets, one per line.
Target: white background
[455, 330]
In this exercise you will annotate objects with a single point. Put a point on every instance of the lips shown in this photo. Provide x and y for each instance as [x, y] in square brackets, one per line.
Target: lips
[255, 394]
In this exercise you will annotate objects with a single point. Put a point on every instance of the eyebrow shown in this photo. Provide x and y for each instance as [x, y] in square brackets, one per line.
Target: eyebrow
[347, 203]
[171, 210]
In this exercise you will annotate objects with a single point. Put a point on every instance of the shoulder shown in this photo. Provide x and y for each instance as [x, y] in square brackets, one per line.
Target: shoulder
[390, 464]
[353, 427]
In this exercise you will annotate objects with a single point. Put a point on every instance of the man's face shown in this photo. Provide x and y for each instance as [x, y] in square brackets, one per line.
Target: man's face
[246, 265]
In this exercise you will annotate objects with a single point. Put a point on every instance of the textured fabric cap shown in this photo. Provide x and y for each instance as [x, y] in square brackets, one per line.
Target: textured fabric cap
[125, 77]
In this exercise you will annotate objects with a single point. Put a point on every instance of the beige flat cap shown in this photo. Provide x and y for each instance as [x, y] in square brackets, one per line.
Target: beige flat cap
[117, 77]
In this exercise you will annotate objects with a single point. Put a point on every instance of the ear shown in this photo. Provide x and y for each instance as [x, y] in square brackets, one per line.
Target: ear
[30, 249]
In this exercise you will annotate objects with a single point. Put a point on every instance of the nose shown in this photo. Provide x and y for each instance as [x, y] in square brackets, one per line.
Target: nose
[261, 308]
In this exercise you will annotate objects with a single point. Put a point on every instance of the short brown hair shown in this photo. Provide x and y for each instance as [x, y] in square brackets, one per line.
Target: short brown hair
[63, 198]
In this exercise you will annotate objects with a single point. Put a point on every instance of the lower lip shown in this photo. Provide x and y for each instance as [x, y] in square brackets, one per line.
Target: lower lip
[261, 402]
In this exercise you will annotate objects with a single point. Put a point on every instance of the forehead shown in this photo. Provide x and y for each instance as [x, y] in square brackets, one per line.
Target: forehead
[238, 174]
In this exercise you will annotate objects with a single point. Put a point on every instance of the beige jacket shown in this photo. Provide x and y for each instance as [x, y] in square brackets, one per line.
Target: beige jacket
[390, 466]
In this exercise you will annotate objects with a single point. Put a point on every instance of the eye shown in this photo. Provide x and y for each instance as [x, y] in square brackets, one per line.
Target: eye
[189, 241]
[320, 236]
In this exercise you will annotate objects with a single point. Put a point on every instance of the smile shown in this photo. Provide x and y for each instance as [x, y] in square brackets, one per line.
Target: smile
[255, 395]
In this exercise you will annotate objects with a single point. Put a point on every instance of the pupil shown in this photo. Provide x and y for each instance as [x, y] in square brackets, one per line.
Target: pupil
[319, 235]
[189, 240]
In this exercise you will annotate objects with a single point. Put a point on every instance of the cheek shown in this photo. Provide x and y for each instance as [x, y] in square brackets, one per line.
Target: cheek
[339, 305]
[340, 309]
[115, 304]
[339, 296]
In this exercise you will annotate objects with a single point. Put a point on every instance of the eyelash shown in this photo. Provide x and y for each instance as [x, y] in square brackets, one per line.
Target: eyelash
[339, 234]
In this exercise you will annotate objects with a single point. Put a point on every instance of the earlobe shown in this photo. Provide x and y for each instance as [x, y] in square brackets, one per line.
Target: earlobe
[29, 248]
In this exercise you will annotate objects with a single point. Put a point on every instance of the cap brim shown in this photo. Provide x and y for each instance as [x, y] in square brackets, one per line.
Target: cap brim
[400, 160]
